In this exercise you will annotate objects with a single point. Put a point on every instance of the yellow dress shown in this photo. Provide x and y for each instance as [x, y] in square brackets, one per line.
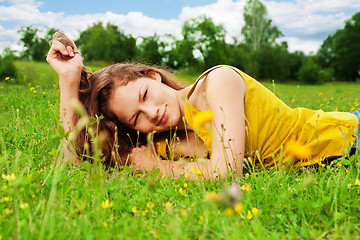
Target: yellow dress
[272, 128]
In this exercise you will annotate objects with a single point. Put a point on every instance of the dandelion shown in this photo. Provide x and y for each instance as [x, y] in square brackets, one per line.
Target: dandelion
[298, 179]
[255, 211]
[181, 191]
[352, 109]
[321, 105]
[32, 88]
[298, 150]
[33, 195]
[185, 185]
[186, 175]
[249, 216]
[104, 224]
[145, 211]
[349, 186]
[246, 187]
[229, 212]
[134, 210]
[7, 78]
[24, 205]
[338, 164]
[35, 91]
[6, 199]
[168, 204]
[238, 207]
[10, 177]
[357, 182]
[106, 204]
[356, 104]
[202, 118]
[201, 219]
[44, 93]
[2, 87]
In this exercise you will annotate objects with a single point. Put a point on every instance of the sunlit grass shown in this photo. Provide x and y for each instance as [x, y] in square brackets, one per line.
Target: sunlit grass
[43, 197]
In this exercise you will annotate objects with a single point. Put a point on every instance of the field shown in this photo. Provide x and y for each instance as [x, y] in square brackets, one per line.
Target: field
[44, 197]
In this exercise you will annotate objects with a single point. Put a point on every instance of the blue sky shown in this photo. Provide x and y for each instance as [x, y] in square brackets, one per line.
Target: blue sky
[304, 23]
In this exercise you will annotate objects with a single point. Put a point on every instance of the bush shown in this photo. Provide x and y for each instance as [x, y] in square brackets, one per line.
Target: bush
[7, 66]
[309, 73]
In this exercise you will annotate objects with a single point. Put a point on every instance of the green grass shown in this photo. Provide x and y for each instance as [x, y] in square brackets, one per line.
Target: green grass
[47, 198]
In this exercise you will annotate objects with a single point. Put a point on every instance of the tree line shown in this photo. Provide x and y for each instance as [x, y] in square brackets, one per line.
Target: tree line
[202, 45]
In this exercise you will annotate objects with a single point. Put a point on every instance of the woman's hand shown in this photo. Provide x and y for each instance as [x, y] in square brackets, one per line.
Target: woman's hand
[65, 59]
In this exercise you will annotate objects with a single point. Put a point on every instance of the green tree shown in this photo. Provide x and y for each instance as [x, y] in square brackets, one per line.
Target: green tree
[151, 49]
[205, 39]
[7, 66]
[258, 30]
[35, 46]
[341, 51]
[106, 43]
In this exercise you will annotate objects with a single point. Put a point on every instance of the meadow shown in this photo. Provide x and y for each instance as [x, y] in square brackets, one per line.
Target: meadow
[42, 196]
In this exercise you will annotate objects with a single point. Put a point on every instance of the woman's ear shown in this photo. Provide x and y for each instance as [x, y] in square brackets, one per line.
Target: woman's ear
[155, 75]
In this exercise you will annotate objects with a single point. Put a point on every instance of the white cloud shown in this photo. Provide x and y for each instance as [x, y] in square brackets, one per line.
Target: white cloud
[305, 23]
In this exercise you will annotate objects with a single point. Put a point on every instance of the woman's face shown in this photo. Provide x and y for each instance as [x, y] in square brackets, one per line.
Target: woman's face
[147, 105]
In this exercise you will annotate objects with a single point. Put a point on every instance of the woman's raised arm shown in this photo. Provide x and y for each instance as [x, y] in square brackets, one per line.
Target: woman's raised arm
[63, 57]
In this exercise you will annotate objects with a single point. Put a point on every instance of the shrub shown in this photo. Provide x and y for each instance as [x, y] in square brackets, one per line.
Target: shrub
[309, 73]
[7, 66]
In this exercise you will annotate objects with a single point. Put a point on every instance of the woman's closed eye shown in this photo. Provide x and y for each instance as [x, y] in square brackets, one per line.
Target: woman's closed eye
[144, 98]
[145, 95]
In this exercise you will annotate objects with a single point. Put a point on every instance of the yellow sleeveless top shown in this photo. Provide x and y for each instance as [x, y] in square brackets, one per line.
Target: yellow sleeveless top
[272, 127]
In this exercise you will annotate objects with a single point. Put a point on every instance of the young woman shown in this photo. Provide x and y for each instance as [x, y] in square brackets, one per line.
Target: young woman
[249, 122]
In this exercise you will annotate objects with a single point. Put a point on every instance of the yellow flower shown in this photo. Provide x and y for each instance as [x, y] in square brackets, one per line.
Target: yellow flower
[134, 210]
[7, 211]
[183, 212]
[320, 94]
[298, 150]
[106, 204]
[293, 100]
[150, 205]
[238, 207]
[255, 211]
[246, 187]
[181, 191]
[168, 204]
[249, 215]
[201, 219]
[356, 104]
[10, 177]
[357, 182]
[185, 185]
[212, 196]
[32, 88]
[2, 87]
[24, 205]
[145, 211]
[6, 199]
[202, 118]
[43, 92]
[7, 78]
[338, 164]
[35, 91]
[186, 175]
[349, 186]
[352, 109]
[229, 212]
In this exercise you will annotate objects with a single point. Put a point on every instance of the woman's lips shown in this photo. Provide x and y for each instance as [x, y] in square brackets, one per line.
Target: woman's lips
[164, 117]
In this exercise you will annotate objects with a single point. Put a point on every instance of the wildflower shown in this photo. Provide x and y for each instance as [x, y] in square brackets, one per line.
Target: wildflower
[150, 205]
[238, 207]
[33, 195]
[356, 104]
[43, 92]
[10, 177]
[7, 78]
[321, 105]
[32, 88]
[186, 175]
[352, 109]
[24, 205]
[201, 219]
[134, 210]
[320, 93]
[104, 224]
[202, 118]
[181, 191]
[293, 100]
[229, 212]
[183, 212]
[298, 150]
[255, 211]
[357, 182]
[338, 164]
[168, 204]
[6, 199]
[298, 179]
[349, 186]
[249, 215]
[35, 91]
[212, 196]
[2, 87]
[106, 204]
[246, 187]
[7, 211]
[185, 185]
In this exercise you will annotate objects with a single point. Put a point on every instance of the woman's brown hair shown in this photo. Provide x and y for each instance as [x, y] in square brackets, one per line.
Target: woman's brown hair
[95, 92]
